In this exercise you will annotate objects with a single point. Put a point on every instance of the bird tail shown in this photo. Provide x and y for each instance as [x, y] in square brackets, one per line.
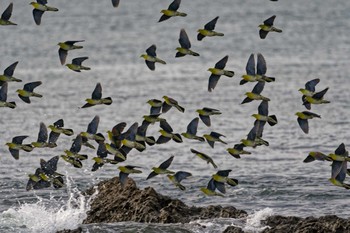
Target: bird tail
[242, 82]
[272, 120]
[219, 34]
[268, 79]
[261, 141]
[325, 102]
[85, 68]
[37, 95]
[150, 141]
[68, 132]
[194, 54]
[107, 101]
[16, 80]
[181, 14]
[11, 105]
[51, 8]
[265, 98]
[201, 139]
[183, 188]
[180, 108]
[27, 147]
[229, 73]
[160, 61]
[276, 30]
[77, 47]
[177, 138]
[232, 182]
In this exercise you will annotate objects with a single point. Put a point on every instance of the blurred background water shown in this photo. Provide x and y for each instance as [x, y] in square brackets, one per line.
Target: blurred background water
[273, 180]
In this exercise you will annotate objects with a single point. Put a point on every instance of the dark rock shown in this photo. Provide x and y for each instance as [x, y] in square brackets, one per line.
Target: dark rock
[78, 230]
[233, 229]
[115, 204]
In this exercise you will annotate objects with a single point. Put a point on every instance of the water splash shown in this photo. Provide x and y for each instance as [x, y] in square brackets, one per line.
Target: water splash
[48, 215]
[253, 223]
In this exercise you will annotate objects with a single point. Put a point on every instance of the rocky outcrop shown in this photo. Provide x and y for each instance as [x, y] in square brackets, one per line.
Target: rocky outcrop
[115, 203]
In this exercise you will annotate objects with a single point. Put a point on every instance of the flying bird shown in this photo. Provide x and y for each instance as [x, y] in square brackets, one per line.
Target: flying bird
[170, 102]
[237, 150]
[217, 72]
[115, 3]
[261, 69]
[210, 189]
[42, 142]
[28, 91]
[65, 47]
[192, 130]
[39, 8]
[221, 178]
[96, 98]
[267, 27]
[209, 30]
[76, 64]
[316, 98]
[178, 177]
[56, 129]
[17, 144]
[255, 94]
[205, 113]
[185, 45]
[6, 15]
[315, 155]
[162, 169]
[125, 171]
[151, 57]
[8, 74]
[156, 106]
[72, 155]
[205, 157]
[303, 118]
[263, 114]
[213, 137]
[3, 97]
[172, 11]
[167, 134]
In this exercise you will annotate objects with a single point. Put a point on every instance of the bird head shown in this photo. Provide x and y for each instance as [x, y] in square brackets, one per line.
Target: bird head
[143, 56]
[261, 26]
[298, 114]
[163, 11]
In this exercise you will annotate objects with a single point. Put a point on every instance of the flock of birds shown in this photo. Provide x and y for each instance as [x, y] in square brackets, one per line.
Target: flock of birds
[120, 142]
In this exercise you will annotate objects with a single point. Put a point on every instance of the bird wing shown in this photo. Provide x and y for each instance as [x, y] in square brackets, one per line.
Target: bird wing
[151, 175]
[118, 129]
[263, 34]
[115, 3]
[151, 51]
[53, 136]
[180, 175]
[165, 107]
[42, 136]
[162, 139]
[93, 125]
[337, 167]
[250, 67]
[14, 153]
[319, 95]
[37, 16]
[261, 65]
[130, 134]
[259, 127]
[50, 166]
[166, 163]
[163, 17]
[59, 123]
[239, 146]
[30, 86]
[216, 135]
[307, 113]
[155, 110]
[79, 60]
[340, 150]
[220, 186]
[222, 63]
[97, 93]
[165, 125]
[224, 173]
[211, 25]
[183, 40]
[304, 125]
[269, 21]
[263, 108]
[76, 145]
[192, 126]
[310, 85]
[3, 92]
[18, 139]
[101, 150]
[122, 177]
[258, 88]
[211, 143]
[200, 36]
[206, 120]
[211, 185]
[9, 70]
[43, 2]
[63, 55]
[72, 42]
[342, 172]
[252, 133]
[150, 65]
[174, 5]
[7, 13]
[213, 80]
[25, 99]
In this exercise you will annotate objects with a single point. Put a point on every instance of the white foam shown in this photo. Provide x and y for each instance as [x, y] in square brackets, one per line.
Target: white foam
[48, 215]
[253, 223]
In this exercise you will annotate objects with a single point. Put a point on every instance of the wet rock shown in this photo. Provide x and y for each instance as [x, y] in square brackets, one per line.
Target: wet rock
[78, 230]
[115, 204]
[233, 229]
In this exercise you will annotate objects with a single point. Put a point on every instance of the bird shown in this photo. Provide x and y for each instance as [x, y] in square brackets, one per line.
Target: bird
[65, 47]
[91, 132]
[17, 144]
[151, 57]
[209, 30]
[128, 140]
[263, 114]
[41, 142]
[205, 157]
[192, 130]
[115, 3]
[316, 98]
[39, 8]
[255, 94]
[213, 137]
[170, 102]
[309, 90]
[217, 72]
[172, 11]
[28, 91]
[254, 137]
[178, 177]
[114, 134]
[340, 154]
[210, 189]
[156, 106]
[221, 178]
[6, 15]
[96, 98]
[261, 69]
[56, 129]
[205, 113]
[72, 155]
[125, 171]
[185, 45]
[3, 97]
[49, 169]
[315, 155]
[267, 27]
[38, 180]
[8, 74]
[142, 138]
[151, 119]
[167, 134]
[162, 169]
[339, 166]
[76, 64]
[114, 150]
[237, 150]
[303, 118]
[101, 158]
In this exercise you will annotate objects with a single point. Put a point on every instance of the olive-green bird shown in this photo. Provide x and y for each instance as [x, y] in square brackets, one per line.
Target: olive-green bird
[221, 178]
[91, 132]
[156, 106]
[237, 150]
[8, 74]
[255, 94]
[119, 156]
[42, 142]
[185, 45]
[210, 189]
[170, 102]
[172, 11]
[17, 144]
[310, 87]
[162, 169]
[151, 57]
[56, 129]
[101, 158]
[338, 174]
[315, 155]
[178, 177]
[114, 134]
[39, 8]
[191, 132]
[96, 98]
[263, 114]
[209, 30]
[142, 138]
[254, 137]
[340, 154]
[167, 134]
[217, 71]
[49, 172]
[213, 137]
[115, 3]
[261, 69]
[205, 157]
[125, 171]
[129, 140]
[28, 91]
[65, 47]
[205, 114]
[151, 119]
[3, 97]
[267, 27]
[76, 64]
[316, 98]
[38, 180]
[72, 155]
[6, 15]
[303, 118]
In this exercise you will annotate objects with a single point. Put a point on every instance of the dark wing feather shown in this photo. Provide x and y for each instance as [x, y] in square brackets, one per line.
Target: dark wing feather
[37, 16]
[151, 51]
[62, 55]
[7, 13]
[183, 40]
[3, 92]
[304, 125]
[97, 93]
[211, 25]
[93, 125]
[166, 163]
[30, 86]
[192, 126]
[269, 21]
[310, 85]
[79, 60]
[213, 80]
[174, 5]
[250, 67]
[258, 88]
[222, 63]
[319, 95]
[115, 3]
[261, 65]
[42, 136]
[150, 64]
[76, 146]
[263, 108]
[340, 150]
[9, 70]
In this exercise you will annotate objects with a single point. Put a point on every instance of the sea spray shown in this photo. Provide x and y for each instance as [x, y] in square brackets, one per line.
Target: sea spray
[253, 223]
[48, 214]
